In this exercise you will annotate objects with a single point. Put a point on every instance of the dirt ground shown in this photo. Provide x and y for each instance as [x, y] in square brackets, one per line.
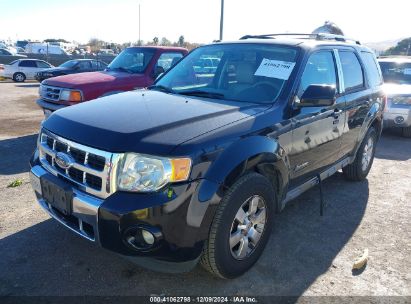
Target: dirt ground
[307, 254]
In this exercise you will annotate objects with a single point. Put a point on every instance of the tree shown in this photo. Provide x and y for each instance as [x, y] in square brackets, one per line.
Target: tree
[402, 48]
[181, 40]
[155, 40]
[165, 41]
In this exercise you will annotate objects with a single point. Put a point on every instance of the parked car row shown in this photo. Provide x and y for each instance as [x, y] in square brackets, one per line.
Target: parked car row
[192, 167]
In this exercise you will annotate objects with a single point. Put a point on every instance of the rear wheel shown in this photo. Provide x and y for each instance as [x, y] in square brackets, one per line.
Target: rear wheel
[19, 77]
[240, 228]
[406, 132]
[359, 169]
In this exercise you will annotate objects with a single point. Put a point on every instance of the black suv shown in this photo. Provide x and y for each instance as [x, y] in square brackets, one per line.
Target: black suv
[194, 167]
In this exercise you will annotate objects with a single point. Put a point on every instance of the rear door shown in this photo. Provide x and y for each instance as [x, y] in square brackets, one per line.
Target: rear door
[28, 68]
[358, 96]
[317, 130]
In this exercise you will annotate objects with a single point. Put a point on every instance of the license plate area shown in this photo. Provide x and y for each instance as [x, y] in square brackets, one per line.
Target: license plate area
[57, 193]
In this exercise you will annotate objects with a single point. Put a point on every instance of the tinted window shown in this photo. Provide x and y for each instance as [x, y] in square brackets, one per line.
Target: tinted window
[372, 68]
[43, 65]
[352, 72]
[94, 65]
[84, 65]
[102, 65]
[69, 64]
[320, 69]
[28, 64]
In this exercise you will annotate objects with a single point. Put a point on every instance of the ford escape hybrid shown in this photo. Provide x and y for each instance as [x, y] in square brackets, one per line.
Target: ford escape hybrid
[194, 167]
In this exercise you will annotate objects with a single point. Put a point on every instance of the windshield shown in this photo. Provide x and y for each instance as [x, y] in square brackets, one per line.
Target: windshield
[240, 72]
[132, 60]
[396, 72]
[69, 64]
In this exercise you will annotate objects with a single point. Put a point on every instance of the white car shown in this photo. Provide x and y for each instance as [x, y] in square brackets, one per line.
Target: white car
[22, 69]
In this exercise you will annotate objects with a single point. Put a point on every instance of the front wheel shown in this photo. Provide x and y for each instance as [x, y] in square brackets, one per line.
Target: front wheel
[240, 228]
[361, 166]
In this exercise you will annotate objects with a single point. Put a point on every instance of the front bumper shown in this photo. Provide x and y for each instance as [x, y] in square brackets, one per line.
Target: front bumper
[397, 116]
[49, 105]
[181, 218]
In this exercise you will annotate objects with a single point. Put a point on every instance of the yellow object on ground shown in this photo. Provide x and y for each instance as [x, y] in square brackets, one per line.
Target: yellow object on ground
[360, 262]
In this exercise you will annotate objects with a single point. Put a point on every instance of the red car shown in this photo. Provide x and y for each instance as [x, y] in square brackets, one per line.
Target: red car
[133, 68]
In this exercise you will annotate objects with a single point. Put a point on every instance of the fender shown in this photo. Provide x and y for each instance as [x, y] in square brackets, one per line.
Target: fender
[245, 154]
[372, 115]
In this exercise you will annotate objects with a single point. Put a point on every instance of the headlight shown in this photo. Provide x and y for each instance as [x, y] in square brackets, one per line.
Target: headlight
[46, 74]
[70, 95]
[142, 173]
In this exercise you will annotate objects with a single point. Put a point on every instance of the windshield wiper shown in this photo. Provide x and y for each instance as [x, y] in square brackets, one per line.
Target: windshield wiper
[161, 88]
[201, 93]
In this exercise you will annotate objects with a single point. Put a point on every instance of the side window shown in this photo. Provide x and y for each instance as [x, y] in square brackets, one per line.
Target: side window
[42, 65]
[28, 64]
[95, 65]
[3, 52]
[320, 69]
[167, 60]
[352, 71]
[373, 70]
[84, 65]
[102, 65]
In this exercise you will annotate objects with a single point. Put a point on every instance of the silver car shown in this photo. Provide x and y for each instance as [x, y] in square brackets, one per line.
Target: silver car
[397, 76]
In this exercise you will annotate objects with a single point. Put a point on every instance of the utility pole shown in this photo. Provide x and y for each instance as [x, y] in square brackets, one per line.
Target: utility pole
[139, 25]
[222, 20]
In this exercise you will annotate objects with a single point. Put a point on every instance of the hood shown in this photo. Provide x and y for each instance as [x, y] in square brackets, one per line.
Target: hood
[55, 70]
[397, 89]
[82, 80]
[145, 121]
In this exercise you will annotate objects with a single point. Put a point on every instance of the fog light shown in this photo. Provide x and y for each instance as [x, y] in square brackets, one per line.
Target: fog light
[148, 237]
[399, 119]
[142, 238]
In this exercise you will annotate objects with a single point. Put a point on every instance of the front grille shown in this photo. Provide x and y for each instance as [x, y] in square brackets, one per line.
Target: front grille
[91, 170]
[50, 93]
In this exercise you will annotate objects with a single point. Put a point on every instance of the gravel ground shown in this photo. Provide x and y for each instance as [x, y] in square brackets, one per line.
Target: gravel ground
[306, 255]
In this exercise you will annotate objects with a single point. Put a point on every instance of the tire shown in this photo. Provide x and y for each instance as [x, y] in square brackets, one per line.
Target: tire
[358, 171]
[19, 77]
[219, 257]
[406, 132]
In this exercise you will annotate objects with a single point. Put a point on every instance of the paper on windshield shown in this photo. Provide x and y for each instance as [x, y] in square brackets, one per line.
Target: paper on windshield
[407, 71]
[275, 69]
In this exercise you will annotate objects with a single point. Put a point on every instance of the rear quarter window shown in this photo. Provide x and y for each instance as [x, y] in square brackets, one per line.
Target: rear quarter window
[372, 69]
[352, 71]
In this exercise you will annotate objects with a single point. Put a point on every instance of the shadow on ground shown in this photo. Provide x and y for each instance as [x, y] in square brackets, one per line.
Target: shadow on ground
[47, 259]
[15, 154]
[31, 85]
[393, 146]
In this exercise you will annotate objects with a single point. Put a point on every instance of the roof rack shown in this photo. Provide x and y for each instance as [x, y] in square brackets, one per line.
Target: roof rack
[320, 36]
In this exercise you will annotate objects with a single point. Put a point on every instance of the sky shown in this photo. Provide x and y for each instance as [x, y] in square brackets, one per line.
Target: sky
[198, 20]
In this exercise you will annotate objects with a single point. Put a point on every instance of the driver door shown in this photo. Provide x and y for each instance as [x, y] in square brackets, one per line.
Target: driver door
[317, 131]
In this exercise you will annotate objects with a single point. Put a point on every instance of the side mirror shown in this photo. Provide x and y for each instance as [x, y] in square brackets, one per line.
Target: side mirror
[317, 95]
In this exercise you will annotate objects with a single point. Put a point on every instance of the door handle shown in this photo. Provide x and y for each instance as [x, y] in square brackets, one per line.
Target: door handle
[337, 113]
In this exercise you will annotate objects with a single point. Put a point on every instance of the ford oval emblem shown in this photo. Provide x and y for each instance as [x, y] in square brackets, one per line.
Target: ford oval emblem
[64, 161]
